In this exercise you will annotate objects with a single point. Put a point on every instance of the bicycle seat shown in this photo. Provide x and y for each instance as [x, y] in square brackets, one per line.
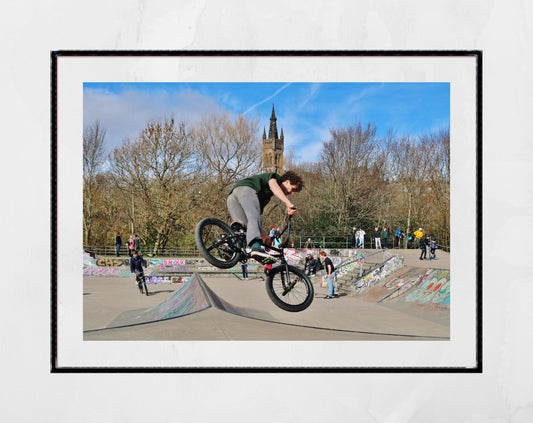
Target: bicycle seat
[237, 227]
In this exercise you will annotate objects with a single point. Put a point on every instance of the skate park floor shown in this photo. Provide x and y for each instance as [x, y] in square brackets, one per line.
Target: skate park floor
[107, 300]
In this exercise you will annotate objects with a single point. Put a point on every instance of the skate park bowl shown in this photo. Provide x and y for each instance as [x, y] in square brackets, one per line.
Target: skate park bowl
[403, 306]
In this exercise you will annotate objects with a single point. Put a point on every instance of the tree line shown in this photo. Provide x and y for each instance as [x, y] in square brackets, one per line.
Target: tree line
[160, 183]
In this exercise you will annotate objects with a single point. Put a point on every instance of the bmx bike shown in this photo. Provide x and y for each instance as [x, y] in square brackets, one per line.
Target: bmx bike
[141, 283]
[223, 246]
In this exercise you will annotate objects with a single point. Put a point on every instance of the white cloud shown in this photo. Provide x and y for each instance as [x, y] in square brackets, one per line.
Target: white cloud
[124, 115]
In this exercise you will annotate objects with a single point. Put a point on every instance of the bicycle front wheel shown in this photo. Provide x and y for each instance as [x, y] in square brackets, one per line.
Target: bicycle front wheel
[216, 242]
[289, 288]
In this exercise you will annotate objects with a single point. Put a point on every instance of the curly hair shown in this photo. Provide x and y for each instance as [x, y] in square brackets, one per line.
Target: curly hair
[294, 178]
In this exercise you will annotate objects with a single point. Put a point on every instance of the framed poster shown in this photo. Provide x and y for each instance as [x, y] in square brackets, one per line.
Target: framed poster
[398, 96]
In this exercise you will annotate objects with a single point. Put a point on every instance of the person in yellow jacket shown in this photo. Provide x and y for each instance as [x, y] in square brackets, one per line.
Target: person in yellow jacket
[418, 234]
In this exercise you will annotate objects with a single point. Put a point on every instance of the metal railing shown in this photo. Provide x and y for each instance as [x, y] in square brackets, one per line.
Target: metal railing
[145, 250]
[301, 242]
[331, 242]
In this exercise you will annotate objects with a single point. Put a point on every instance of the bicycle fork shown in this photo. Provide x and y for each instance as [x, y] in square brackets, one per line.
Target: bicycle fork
[286, 281]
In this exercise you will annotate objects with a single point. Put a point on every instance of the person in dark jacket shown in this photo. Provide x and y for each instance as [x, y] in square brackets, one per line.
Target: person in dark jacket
[330, 276]
[385, 238]
[424, 247]
[118, 243]
[137, 263]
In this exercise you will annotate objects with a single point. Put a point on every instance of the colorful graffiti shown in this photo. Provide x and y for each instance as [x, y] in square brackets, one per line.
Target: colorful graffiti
[189, 299]
[112, 262]
[402, 283]
[292, 256]
[376, 275]
[156, 266]
[433, 289]
[106, 271]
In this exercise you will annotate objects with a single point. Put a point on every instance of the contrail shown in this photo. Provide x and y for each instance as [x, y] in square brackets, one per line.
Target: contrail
[268, 98]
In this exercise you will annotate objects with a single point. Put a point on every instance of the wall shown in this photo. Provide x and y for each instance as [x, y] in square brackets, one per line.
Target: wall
[377, 275]
[433, 289]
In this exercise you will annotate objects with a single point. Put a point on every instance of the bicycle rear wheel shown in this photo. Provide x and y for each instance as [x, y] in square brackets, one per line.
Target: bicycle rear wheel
[144, 285]
[289, 288]
[216, 242]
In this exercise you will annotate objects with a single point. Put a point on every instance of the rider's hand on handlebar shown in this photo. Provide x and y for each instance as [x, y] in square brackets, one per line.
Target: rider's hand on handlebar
[292, 210]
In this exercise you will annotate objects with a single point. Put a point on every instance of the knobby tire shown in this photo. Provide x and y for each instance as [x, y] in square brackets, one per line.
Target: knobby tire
[298, 298]
[221, 255]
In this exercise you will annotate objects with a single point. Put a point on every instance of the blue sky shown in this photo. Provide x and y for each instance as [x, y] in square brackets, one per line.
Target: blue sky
[305, 111]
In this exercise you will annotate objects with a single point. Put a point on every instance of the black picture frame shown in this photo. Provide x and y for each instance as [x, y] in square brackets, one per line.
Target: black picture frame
[56, 56]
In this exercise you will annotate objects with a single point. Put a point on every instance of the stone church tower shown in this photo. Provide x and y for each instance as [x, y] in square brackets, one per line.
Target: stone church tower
[273, 147]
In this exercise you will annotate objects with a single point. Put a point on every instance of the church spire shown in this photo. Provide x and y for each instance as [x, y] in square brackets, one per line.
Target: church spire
[273, 131]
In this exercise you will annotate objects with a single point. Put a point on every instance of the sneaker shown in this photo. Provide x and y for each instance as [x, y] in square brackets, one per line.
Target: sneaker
[262, 256]
[335, 295]
[328, 297]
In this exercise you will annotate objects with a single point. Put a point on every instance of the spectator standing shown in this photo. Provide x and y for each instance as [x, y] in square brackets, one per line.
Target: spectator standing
[330, 276]
[353, 238]
[377, 237]
[423, 251]
[385, 237]
[418, 235]
[130, 246]
[136, 243]
[398, 235]
[428, 247]
[244, 271]
[118, 243]
[433, 247]
[362, 238]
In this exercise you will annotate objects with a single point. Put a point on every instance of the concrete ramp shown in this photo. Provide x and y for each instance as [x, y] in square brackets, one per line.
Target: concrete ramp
[195, 296]
[424, 293]
[425, 287]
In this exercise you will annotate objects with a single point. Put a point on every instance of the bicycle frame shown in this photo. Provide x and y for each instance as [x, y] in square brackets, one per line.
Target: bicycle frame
[281, 255]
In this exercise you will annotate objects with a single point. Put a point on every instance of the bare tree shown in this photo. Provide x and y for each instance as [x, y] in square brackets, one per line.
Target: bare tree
[352, 168]
[228, 151]
[93, 160]
[156, 170]
[438, 180]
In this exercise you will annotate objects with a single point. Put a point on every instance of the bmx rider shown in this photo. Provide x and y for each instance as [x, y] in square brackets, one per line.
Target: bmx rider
[248, 199]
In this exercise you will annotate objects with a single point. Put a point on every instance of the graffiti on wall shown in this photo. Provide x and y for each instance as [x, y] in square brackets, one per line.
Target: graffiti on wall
[112, 262]
[433, 289]
[376, 275]
[106, 271]
[166, 279]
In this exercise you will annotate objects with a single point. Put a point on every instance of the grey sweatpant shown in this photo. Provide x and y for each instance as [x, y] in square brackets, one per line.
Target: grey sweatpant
[243, 206]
